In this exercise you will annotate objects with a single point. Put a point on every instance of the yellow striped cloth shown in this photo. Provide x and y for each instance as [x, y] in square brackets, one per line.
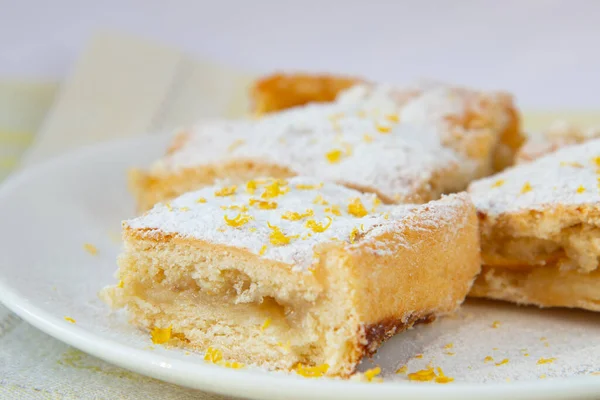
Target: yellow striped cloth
[23, 106]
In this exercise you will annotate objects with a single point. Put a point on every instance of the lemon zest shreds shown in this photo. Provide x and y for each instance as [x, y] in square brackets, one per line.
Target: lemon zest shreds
[429, 374]
[571, 164]
[201, 200]
[263, 205]
[402, 370]
[441, 378]
[263, 250]
[226, 191]
[121, 284]
[334, 209]
[238, 220]
[276, 188]
[597, 161]
[334, 156]
[90, 248]
[424, 375]
[251, 187]
[488, 359]
[69, 319]
[242, 208]
[526, 188]
[266, 324]
[367, 138]
[498, 183]
[505, 361]
[449, 346]
[169, 207]
[384, 128]
[580, 189]
[393, 117]
[496, 324]
[161, 335]
[320, 200]
[356, 208]
[231, 364]
[213, 355]
[545, 360]
[277, 237]
[309, 187]
[295, 216]
[311, 372]
[370, 374]
[318, 227]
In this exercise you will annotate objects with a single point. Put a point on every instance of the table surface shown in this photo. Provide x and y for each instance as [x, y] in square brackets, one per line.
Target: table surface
[543, 51]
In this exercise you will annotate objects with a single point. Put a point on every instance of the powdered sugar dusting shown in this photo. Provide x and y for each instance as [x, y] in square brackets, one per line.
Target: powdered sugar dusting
[568, 176]
[308, 212]
[397, 160]
[403, 143]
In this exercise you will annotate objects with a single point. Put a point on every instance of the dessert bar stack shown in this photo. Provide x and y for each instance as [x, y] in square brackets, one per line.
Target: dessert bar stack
[304, 237]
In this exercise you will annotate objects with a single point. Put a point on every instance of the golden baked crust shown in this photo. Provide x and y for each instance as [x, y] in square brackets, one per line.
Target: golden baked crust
[557, 136]
[221, 289]
[281, 91]
[540, 227]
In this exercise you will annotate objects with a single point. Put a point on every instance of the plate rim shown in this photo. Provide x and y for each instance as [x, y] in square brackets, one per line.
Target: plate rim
[248, 382]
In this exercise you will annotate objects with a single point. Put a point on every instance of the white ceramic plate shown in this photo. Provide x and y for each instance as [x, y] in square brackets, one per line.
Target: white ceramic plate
[48, 212]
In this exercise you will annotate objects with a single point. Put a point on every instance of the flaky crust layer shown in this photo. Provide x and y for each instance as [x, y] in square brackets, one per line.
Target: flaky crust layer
[547, 286]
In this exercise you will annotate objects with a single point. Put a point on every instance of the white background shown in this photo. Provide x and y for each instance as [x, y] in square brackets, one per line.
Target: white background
[546, 52]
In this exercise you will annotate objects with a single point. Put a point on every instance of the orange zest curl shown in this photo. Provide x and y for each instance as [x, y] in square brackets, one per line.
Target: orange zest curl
[161, 335]
[356, 208]
[318, 227]
[277, 237]
[295, 216]
[334, 209]
[334, 156]
[238, 220]
[263, 205]
[226, 191]
[276, 188]
[311, 372]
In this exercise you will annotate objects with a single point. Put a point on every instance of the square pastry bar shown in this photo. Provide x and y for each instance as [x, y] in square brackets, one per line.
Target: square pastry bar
[557, 136]
[405, 151]
[295, 273]
[540, 230]
[483, 123]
